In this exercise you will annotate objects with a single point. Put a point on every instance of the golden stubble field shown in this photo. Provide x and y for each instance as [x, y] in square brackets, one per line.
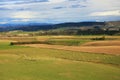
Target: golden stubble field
[107, 47]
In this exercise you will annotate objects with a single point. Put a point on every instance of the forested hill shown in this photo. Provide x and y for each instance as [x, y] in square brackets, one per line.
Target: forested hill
[79, 24]
[39, 26]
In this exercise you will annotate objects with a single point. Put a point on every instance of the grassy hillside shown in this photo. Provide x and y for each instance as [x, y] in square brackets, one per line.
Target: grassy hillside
[27, 63]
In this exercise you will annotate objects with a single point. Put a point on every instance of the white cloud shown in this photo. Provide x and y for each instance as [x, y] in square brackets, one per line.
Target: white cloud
[45, 11]
[56, 1]
[3, 22]
[24, 14]
[106, 13]
[21, 20]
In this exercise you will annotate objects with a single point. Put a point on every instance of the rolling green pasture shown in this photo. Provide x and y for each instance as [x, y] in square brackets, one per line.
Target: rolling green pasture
[5, 45]
[73, 40]
[27, 63]
[61, 40]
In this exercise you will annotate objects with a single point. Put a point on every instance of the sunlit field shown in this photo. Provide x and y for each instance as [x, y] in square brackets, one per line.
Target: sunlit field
[19, 62]
[59, 39]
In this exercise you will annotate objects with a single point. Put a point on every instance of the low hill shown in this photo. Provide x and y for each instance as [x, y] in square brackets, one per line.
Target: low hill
[70, 25]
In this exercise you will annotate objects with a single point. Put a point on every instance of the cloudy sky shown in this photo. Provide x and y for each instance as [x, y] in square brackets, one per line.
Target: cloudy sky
[58, 11]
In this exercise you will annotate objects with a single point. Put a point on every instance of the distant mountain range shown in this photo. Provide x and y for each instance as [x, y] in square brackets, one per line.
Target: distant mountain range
[46, 26]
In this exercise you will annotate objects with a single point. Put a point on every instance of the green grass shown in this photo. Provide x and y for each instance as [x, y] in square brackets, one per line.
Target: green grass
[74, 40]
[6, 45]
[57, 70]
[26, 63]
[68, 42]
[36, 53]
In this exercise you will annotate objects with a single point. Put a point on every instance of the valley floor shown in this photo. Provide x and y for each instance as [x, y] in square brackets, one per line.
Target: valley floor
[58, 62]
